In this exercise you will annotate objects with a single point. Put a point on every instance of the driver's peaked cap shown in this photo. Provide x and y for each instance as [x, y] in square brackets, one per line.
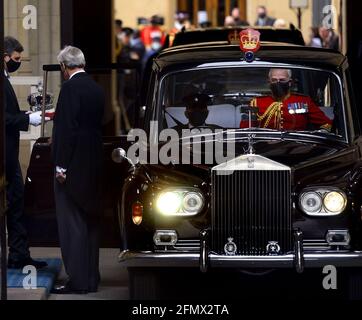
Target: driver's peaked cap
[197, 101]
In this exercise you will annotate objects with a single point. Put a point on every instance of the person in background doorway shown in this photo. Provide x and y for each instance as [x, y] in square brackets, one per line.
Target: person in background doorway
[181, 19]
[229, 22]
[133, 50]
[263, 19]
[329, 38]
[205, 24]
[118, 33]
[315, 39]
[280, 23]
[138, 49]
[152, 31]
[235, 13]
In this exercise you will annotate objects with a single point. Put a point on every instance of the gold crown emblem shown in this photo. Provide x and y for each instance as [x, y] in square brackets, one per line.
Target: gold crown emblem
[234, 37]
[250, 40]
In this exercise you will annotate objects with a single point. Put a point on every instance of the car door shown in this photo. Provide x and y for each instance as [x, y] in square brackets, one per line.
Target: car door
[39, 200]
[39, 194]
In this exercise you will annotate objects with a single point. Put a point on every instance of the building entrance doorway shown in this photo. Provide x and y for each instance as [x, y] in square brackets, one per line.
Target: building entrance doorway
[216, 10]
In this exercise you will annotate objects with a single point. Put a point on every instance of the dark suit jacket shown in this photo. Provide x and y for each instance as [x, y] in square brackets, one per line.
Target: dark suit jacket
[269, 22]
[77, 139]
[16, 121]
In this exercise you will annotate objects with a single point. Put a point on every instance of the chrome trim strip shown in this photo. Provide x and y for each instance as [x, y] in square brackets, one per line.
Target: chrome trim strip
[251, 162]
[299, 254]
[313, 260]
[204, 252]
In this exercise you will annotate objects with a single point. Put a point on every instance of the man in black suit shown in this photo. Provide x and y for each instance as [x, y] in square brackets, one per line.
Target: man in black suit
[263, 19]
[77, 152]
[16, 121]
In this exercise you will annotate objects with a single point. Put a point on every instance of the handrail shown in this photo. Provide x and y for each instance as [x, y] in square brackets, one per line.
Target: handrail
[94, 69]
[131, 65]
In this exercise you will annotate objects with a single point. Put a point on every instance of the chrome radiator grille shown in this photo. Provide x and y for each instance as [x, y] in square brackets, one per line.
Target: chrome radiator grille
[253, 208]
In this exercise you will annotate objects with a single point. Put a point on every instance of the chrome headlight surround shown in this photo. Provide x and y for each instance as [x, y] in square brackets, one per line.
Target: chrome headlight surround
[180, 202]
[326, 201]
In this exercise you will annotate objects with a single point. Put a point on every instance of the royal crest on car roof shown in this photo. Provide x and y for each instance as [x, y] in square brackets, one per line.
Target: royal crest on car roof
[250, 40]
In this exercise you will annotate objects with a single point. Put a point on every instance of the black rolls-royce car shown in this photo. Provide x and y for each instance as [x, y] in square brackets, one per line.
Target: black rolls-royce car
[283, 197]
[223, 174]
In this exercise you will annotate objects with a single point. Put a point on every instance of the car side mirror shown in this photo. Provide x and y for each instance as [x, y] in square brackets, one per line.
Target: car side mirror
[119, 156]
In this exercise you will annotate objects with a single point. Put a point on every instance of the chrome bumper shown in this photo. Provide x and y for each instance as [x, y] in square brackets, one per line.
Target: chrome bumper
[207, 259]
[312, 260]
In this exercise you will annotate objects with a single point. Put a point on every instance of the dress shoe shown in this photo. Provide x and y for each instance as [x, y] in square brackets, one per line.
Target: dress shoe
[26, 262]
[66, 289]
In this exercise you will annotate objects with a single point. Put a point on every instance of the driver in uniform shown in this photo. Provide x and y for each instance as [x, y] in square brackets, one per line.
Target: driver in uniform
[286, 111]
[197, 113]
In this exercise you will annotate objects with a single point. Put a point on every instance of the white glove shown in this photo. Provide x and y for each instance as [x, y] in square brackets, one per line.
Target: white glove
[35, 119]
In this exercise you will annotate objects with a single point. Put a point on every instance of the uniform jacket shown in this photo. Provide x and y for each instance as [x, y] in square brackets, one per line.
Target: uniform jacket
[77, 139]
[16, 121]
[297, 112]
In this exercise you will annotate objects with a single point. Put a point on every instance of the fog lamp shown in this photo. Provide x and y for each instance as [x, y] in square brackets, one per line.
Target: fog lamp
[338, 238]
[165, 238]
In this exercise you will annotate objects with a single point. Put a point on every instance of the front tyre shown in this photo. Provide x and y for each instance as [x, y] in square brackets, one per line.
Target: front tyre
[355, 285]
[144, 284]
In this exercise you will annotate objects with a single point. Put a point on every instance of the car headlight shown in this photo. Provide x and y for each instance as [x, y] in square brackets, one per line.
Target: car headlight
[323, 202]
[180, 203]
[311, 202]
[335, 202]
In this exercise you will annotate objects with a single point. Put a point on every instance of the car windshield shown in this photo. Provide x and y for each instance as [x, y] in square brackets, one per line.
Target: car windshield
[287, 100]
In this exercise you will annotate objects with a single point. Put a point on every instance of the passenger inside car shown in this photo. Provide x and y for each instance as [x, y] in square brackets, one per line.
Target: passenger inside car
[284, 110]
[197, 113]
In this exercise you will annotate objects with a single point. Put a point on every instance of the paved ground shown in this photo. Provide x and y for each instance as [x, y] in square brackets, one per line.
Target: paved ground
[21, 294]
[187, 284]
[114, 279]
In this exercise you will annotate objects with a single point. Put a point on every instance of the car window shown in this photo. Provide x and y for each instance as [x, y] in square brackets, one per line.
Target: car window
[242, 96]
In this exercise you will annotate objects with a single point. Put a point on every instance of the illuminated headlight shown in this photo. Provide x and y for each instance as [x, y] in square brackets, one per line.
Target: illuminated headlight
[335, 202]
[323, 202]
[180, 203]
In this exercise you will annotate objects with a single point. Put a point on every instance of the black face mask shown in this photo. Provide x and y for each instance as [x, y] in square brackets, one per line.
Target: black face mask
[13, 65]
[198, 118]
[280, 89]
[262, 16]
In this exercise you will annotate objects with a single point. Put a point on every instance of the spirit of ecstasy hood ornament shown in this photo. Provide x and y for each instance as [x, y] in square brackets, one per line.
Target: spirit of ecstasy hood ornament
[251, 142]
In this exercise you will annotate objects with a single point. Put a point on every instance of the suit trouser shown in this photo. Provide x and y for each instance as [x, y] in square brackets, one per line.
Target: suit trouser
[79, 242]
[17, 235]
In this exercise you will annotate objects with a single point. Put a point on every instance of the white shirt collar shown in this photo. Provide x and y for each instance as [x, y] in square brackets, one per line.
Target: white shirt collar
[80, 71]
[7, 75]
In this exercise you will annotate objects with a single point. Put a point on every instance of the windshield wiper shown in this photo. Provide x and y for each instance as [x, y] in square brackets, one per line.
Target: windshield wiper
[257, 130]
[316, 133]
